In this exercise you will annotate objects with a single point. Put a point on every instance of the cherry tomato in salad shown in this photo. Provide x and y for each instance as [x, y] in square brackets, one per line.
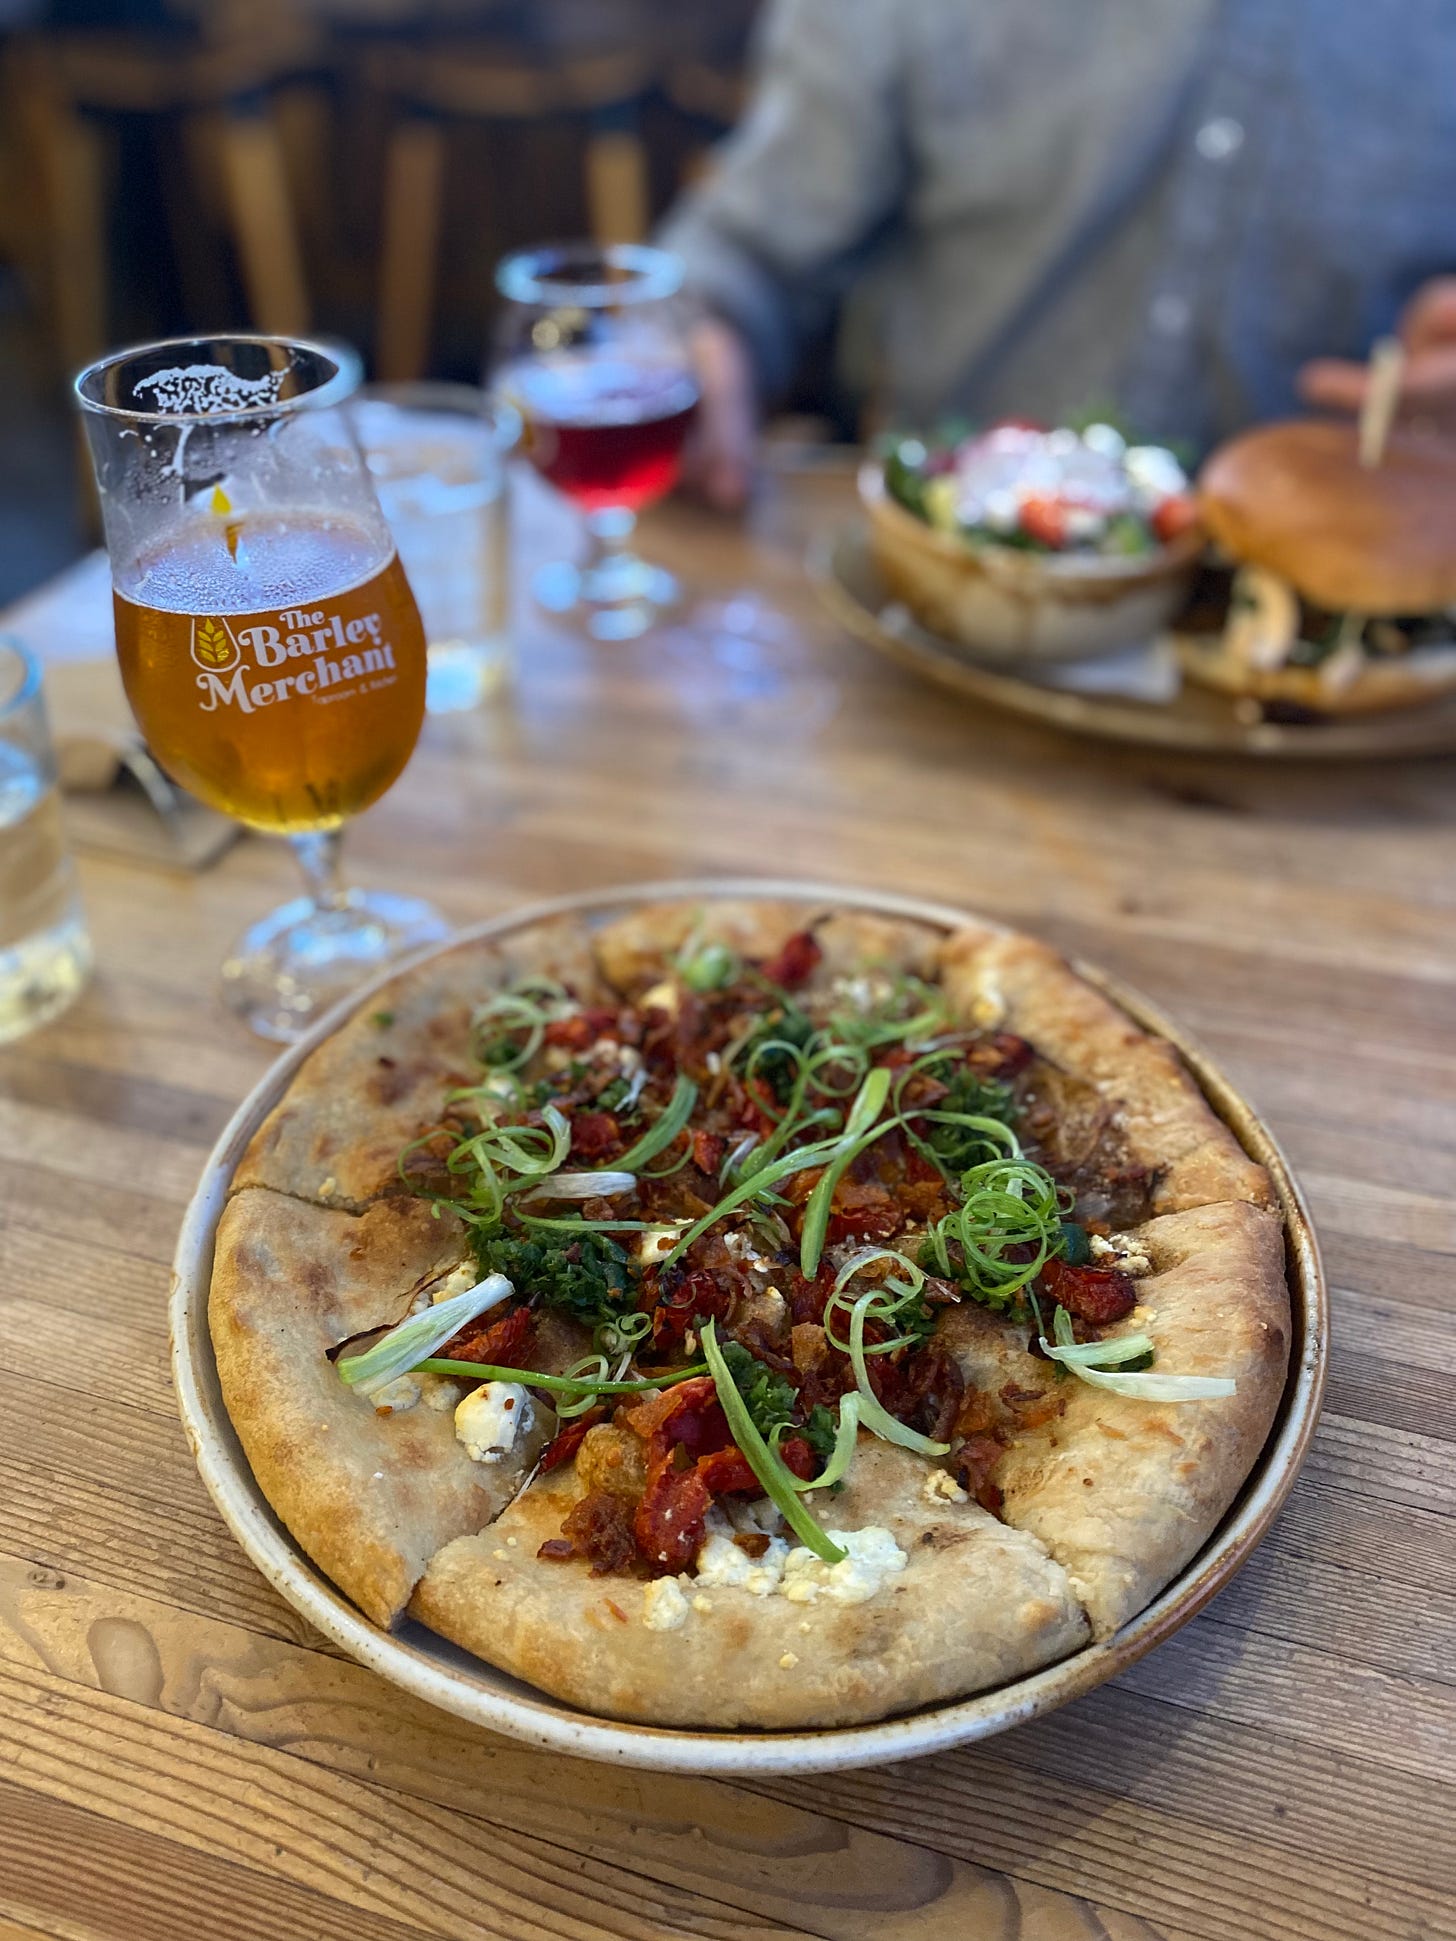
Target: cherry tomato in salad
[1044, 519]
[1173, 516]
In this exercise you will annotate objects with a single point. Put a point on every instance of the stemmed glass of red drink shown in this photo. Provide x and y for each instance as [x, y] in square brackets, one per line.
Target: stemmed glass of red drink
[592, 351]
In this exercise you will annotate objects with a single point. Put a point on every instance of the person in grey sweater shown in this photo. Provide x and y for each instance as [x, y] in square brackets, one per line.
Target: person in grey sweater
[1199, 212]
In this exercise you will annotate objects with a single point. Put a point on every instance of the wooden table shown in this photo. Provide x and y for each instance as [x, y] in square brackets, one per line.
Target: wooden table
[179, 1756]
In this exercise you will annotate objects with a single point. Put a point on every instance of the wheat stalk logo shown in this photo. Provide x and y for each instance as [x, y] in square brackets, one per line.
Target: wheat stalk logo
[212, 646]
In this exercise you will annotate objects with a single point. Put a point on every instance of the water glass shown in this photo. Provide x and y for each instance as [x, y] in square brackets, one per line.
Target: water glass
[45, 953]
[438, 455]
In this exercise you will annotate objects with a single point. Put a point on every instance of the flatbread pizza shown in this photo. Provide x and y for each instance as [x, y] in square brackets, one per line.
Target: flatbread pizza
[749, 1314]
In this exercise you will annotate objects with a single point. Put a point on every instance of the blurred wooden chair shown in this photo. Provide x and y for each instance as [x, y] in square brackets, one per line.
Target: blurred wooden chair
[431, 86]
[68, 86]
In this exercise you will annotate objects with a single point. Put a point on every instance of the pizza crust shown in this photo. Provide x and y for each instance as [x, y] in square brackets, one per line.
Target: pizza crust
[639, 950]
[370, 1497]
[1124, 1493]
[382, 1078]
[977, 1604]
[1015, 984]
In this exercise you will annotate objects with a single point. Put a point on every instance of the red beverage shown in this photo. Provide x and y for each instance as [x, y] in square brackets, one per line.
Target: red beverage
[603, 430]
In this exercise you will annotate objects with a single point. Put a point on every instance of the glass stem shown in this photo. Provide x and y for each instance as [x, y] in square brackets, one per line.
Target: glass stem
[611, 528]
[317, 851]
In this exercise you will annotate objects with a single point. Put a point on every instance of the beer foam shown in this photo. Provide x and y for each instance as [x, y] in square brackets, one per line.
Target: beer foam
[203, 389]
[276, 560]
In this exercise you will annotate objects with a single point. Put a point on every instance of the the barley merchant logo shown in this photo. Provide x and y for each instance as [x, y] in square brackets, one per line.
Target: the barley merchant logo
[213, 647]
[303, 653]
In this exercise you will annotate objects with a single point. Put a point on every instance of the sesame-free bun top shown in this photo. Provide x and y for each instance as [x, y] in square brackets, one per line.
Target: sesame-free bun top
[1294, 498]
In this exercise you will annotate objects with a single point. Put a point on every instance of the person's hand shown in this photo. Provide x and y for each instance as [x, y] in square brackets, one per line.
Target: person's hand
[1428, 383]
[718, 459]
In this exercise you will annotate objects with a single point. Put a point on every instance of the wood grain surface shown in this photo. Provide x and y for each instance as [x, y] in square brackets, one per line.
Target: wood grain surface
[180, 1756]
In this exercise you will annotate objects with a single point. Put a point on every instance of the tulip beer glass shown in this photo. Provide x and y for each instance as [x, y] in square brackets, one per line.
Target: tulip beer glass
[269, 643]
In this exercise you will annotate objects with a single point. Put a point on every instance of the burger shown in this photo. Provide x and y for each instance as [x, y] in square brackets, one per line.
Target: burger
[1334, 588]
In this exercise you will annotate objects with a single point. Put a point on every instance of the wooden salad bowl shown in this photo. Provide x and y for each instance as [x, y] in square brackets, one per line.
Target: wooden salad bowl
[1006, 605]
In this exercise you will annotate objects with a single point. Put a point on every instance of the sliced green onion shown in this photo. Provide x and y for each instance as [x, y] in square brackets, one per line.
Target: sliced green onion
[616, 1337]
[482, 1371]
[887, 1302]
[872, 1412]
[1145, 1386]
[775, 1479]
[582, 1186]
[708, 968]
[594, 1368]
[574, 1223]
[859, 1131]
[415, 1338]
[754, 1187]
[1101, 1354]
[840, 1456]
[664, 1128]
[1009, 1203]
[529, 1008]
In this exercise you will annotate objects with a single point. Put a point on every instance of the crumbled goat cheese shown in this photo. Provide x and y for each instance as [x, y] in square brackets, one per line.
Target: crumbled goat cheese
[874, 1558]
[941, 1487]
[664, 1607]
[490, 1418]
[393, 1398]
[657, 1241]
[1121, 1251]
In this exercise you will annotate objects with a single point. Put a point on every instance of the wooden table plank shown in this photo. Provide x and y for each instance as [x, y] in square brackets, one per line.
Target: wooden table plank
[179, 1753]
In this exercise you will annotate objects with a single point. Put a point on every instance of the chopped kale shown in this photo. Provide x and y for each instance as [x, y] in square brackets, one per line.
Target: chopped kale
[500, 1050]
[587, 1276]
[771, 1401]
[820, 1431]
[775, 1067]
[768, 1398]
[960, 1147]
[1076, 1248]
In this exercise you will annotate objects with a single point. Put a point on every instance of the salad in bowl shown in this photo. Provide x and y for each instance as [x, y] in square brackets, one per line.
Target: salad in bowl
[1022, 542]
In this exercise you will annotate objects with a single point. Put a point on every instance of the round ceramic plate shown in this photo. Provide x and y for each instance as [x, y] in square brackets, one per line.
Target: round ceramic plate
[429, 1668]
[1195, 720]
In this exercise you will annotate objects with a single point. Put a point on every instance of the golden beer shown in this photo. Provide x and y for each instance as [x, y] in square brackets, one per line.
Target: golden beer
[275, 663]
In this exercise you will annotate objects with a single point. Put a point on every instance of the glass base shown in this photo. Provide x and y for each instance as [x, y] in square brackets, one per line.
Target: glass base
[41, 974]
[620, 595]
[287, 970]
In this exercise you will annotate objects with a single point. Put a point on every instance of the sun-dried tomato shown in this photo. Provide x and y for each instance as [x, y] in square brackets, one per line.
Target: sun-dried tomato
[726, 1473]
[595, 1135]
[563, 1447]
[580, 1031]
[708, 1151]
[506, 1343]
[600, 1528]
[1099, 1295]
[863, 1211]
[682, 1300]
[796, 959]
[668, 1525]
